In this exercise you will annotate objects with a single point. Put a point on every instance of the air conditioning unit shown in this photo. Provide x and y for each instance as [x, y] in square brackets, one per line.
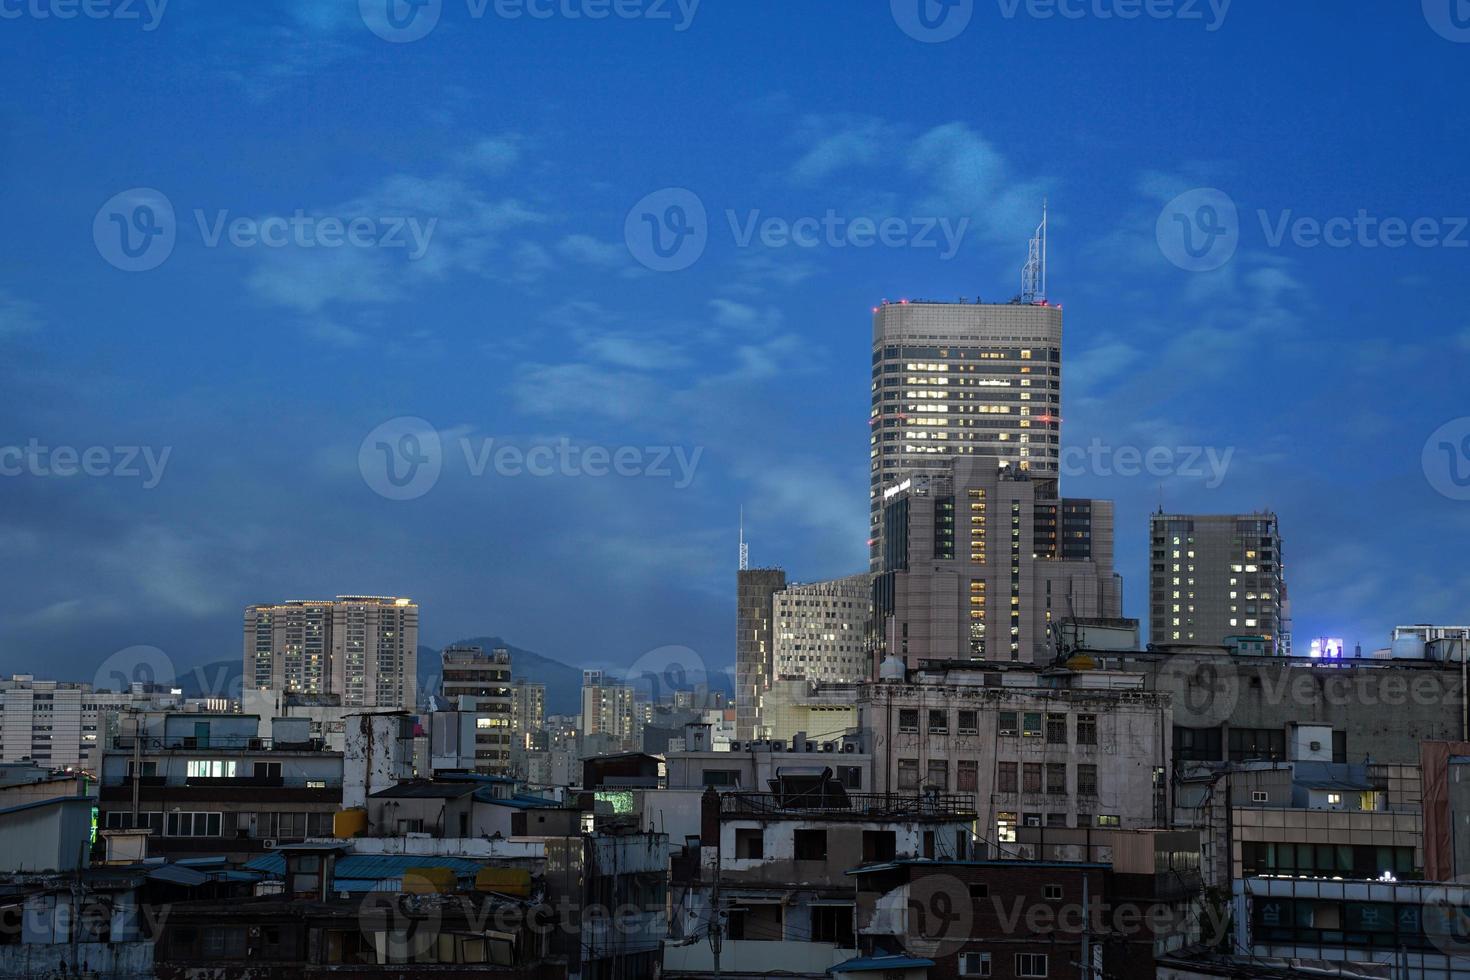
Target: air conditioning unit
[736, 746]
[777, 745]
[849, 748]
[270, 845]
[829, 746]
[811, 746]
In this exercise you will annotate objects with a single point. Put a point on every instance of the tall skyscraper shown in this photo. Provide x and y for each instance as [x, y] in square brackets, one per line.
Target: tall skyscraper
[977, 565]
[1213, 576]
[821, 630]
[755, 590]
[963, 379]
[362, 648]
[478, 682]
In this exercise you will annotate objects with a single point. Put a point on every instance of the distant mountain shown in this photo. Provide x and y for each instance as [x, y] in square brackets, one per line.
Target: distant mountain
[563, 683]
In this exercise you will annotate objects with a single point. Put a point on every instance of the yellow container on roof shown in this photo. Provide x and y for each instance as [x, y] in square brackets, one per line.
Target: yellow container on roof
[349, 823]
[430, 881]
[504, 881]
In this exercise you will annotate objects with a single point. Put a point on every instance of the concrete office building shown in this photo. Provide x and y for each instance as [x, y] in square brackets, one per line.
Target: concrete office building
[478, 684]
[62, 724]
[977, 564]
[1214, 576]
[963, 379]
[821, 630]
[754, 643]
[363, 648]
[1073, 748]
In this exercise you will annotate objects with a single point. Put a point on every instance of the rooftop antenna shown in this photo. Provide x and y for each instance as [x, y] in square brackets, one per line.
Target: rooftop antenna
[1033, 276]
[744, 548]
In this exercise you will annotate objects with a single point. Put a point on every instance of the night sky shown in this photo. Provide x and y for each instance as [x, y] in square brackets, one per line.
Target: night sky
[258, 255]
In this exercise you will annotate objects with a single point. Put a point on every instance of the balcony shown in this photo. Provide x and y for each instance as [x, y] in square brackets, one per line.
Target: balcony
[854, 806]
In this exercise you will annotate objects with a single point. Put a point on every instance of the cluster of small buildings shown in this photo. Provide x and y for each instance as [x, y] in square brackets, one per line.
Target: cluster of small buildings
[1114, 812]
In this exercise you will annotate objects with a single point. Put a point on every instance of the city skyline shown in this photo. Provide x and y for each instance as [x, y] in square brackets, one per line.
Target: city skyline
[520, 309]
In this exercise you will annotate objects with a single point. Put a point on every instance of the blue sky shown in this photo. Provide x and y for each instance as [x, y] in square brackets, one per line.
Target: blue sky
[520, 145]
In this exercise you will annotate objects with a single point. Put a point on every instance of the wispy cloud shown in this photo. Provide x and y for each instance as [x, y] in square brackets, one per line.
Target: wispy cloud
[17, 316]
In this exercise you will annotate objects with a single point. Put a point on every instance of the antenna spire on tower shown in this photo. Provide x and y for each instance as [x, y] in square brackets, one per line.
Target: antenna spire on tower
[744, 548]
[1033, 276]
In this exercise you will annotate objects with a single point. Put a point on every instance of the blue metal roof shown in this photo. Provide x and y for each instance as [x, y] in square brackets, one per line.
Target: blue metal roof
[373, 867]
[881, 963]
[521, 801]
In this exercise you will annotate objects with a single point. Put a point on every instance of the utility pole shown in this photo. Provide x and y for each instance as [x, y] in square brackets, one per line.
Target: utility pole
[716, 922]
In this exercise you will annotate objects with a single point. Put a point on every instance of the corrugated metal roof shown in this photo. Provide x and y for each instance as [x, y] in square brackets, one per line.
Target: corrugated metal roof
[177, 875]
[882, 963]
[432, 791]
[373, 867]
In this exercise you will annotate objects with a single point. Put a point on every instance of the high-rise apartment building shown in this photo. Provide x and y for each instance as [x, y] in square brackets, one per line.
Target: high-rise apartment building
[478, 682]
[527, 711]
[963, 379]
[822, 629]
[362, 648]
[64, 724]
[609, 718]
[1213, 576]
[754, 643]
[977, 565]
